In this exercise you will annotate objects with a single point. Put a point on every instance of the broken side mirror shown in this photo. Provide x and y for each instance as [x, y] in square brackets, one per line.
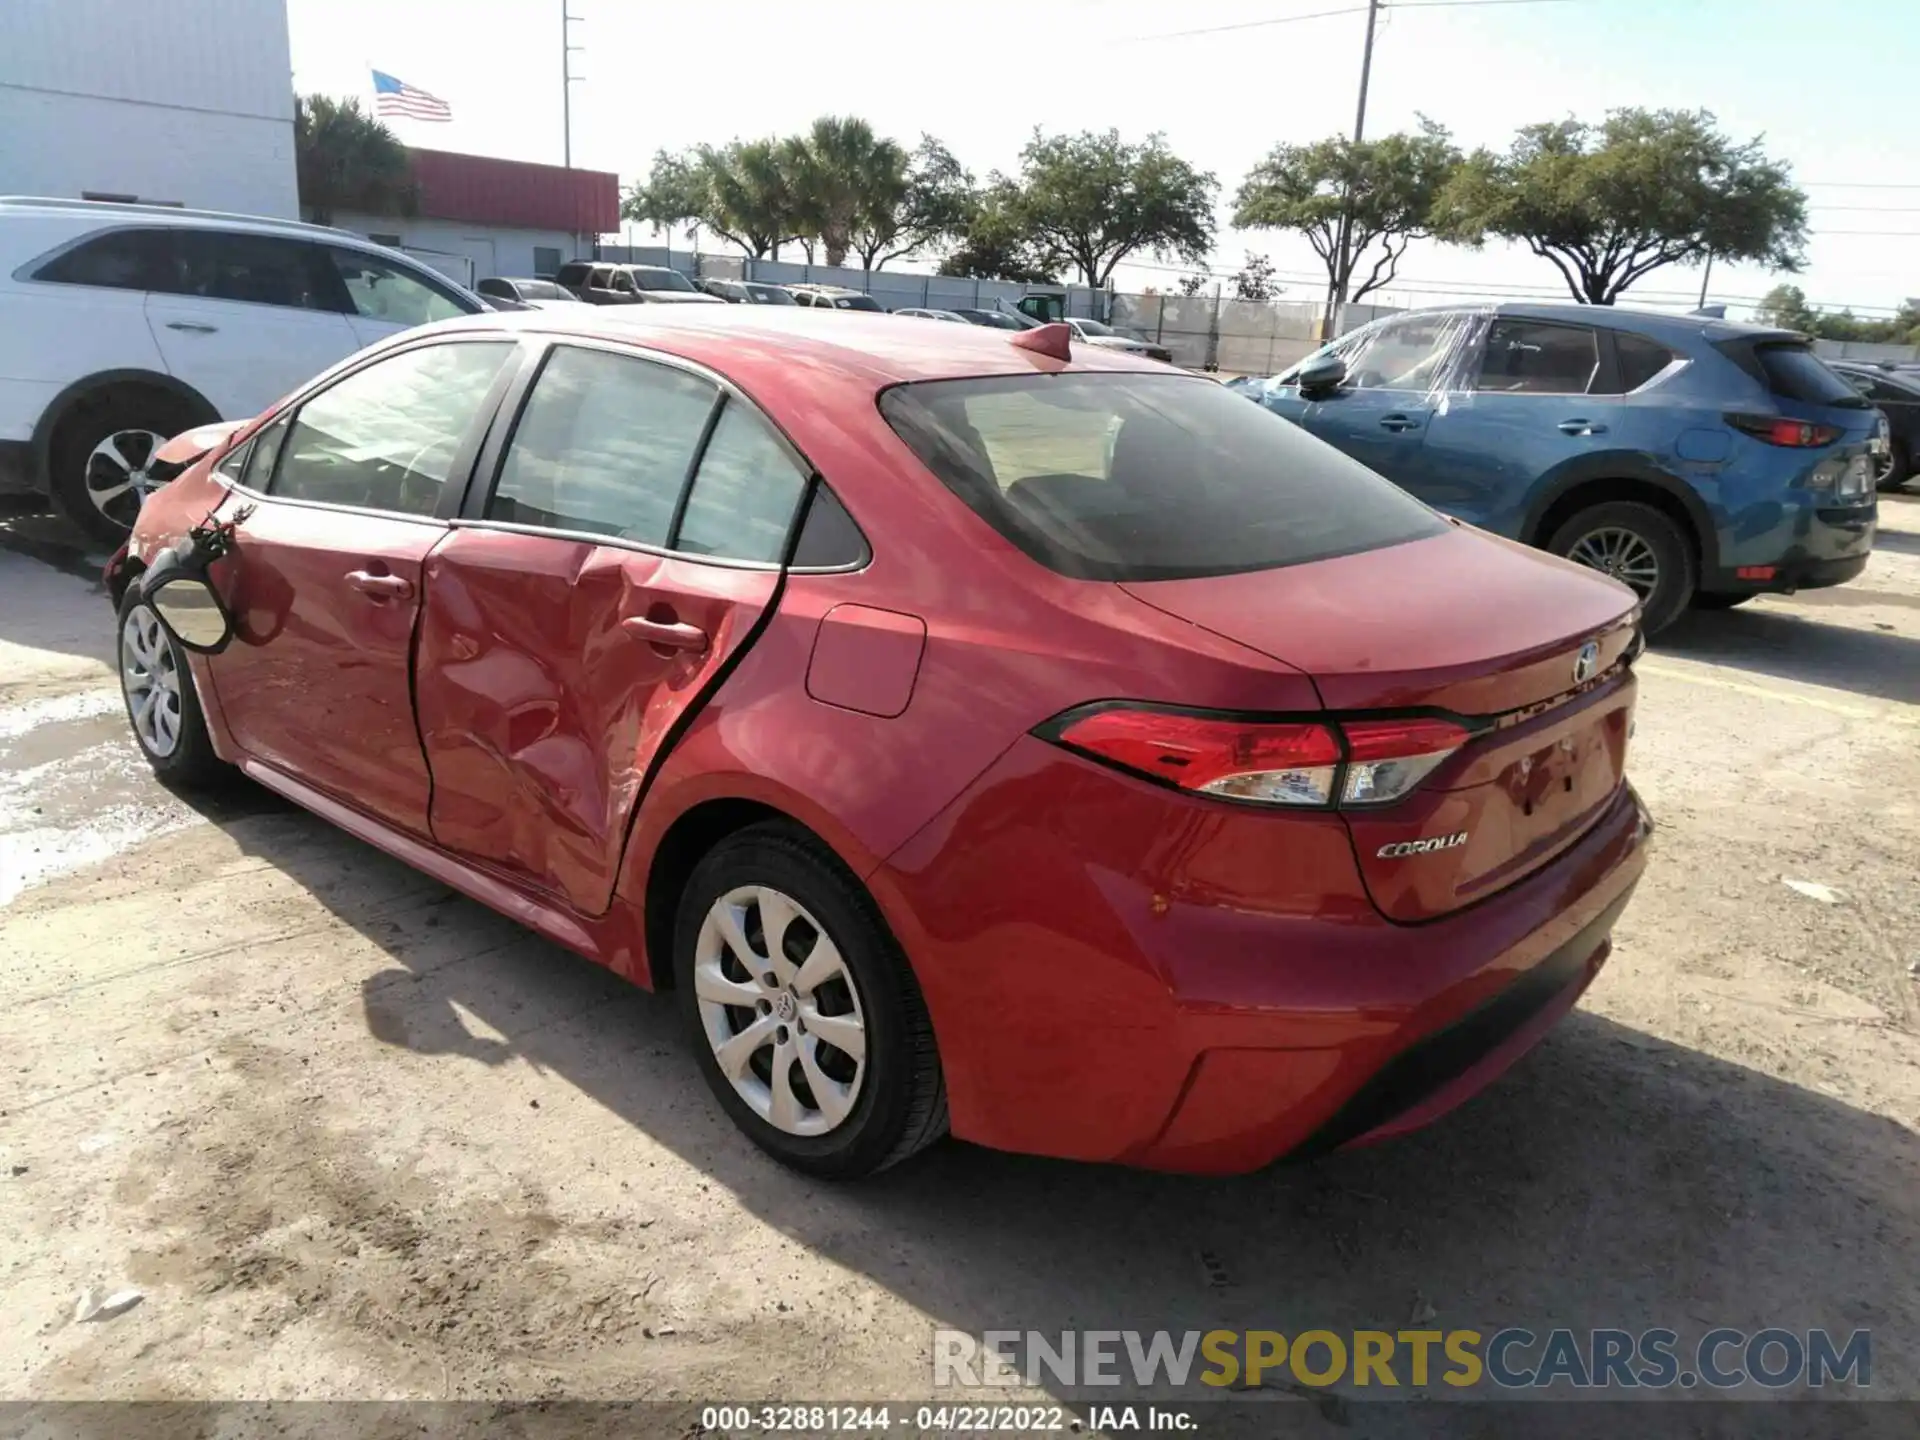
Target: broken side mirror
[177, 588]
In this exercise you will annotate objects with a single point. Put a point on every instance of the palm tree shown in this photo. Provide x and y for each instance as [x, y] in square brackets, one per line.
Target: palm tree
[344, 159]
[842, 177]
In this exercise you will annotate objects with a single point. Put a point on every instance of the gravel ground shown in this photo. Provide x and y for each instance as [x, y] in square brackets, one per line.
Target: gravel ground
[352, 1136]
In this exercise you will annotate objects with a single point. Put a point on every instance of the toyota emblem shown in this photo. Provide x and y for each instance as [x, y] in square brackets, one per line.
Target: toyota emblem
[1586, 662]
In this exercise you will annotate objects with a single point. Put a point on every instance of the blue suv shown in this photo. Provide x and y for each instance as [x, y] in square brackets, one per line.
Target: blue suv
[1698, 461]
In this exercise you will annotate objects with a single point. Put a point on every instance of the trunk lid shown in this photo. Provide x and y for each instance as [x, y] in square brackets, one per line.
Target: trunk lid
[1482, 629]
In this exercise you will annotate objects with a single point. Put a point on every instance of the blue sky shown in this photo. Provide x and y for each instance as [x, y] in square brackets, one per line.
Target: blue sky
[1831, 87]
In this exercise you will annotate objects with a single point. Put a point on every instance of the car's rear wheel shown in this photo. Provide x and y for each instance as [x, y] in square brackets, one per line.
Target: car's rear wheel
[102, 461]
[808, 1023]
[1637, 545]
[1894, 469]
[162, 706]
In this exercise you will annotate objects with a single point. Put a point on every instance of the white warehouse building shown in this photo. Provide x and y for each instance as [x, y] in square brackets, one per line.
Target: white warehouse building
[172, 102]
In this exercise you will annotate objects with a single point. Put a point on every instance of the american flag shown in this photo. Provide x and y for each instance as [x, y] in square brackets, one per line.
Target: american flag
[396, 97]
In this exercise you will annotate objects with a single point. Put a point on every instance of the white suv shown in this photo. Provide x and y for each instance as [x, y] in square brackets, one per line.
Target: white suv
[122, 325]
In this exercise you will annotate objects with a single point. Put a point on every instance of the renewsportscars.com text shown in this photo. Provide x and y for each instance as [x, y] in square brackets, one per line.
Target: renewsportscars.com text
[1512, 1358]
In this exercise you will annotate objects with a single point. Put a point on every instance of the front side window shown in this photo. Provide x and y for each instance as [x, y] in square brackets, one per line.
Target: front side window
[380, 290]
[603, 446]
[1526, 358]
[387, 436]
[1146, 477]
[1412, 352]
[742, 502]
[116, 260]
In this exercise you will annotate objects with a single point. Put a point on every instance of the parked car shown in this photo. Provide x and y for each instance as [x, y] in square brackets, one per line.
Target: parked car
[997, 319]
[1214, 799]
[1895, 391]
[1698, 461]
[922, 313]
[834, 297]
[1094, 332]
[121, 325]
[597, 283]
[745, 292]
[532, 294]
[662, 285]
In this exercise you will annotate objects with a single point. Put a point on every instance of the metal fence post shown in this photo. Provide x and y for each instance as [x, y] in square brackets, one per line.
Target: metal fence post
[1160, 319]
[1213, 333]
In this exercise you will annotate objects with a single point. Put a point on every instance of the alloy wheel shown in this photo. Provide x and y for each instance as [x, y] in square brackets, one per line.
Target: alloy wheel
[151, 681]
[119, 474]
[781, 1010]
[1624, 554]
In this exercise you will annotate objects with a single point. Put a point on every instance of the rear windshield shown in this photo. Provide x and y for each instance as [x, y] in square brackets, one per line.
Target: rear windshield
[1146, 477]
[1795, 373]
[769, 294]
[857, 302]
[541, 290]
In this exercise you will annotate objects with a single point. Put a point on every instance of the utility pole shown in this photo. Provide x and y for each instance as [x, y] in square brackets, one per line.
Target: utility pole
[567, 48]
[1344, 265]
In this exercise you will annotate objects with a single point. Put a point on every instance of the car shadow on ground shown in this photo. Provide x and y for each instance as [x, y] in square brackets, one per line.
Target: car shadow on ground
[1793, 647]
[1688, 1191]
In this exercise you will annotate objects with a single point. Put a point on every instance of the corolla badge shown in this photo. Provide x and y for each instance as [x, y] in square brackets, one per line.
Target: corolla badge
[1422, 847]
[1586, 662]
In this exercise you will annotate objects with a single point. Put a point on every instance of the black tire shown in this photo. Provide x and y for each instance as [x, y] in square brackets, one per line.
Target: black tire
[191, 763]
[92, 422]
[1707, 600]
[900, 1106]
[1675, 569]
[1900, 467]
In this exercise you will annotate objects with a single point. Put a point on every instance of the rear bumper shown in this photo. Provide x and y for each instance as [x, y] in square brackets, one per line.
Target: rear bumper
[1790, 575]
[18, 473]
[1806, 545]
[1120, 994]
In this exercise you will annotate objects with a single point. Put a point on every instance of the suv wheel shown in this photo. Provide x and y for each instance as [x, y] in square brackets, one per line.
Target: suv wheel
[1637, 545]
[1894, 470]
[102, 462]
[808, 1023]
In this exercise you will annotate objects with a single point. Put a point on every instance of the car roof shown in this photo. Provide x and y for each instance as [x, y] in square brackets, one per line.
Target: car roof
[1617, 317]
[757, 343]
[107, 212]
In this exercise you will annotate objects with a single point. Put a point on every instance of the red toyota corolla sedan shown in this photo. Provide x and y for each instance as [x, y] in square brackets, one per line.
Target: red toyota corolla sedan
[979, 732]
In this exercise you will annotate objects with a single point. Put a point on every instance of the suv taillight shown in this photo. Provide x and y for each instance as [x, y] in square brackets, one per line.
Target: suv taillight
[1352, 763]
[1795, 434]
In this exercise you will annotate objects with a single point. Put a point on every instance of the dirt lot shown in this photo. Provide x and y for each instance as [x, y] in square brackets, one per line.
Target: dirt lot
[352, 1136]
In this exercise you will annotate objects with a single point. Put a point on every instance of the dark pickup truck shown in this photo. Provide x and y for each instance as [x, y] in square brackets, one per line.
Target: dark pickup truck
[597, 284]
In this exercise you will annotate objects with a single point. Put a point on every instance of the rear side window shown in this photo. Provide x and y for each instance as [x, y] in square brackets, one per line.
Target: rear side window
[1640, 360]
[1527, 358]
[573, 273]
[1794, 372]
[259, 269]
[603, 446]
[743, 499]
[117, 260]
[1146, 477]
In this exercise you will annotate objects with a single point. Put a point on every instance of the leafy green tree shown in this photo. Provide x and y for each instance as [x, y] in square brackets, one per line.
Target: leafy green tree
[1096, 199]
[842, 176]
[749, 199]
[344, 159]
[1346, 197]
[994, 246]
[1786, 306]
[1609, 204]
[676, 192]
[1255, 280]
[936, 202]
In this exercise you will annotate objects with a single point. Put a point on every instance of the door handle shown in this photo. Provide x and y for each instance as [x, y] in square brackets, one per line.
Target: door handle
[197, 327]
[1582, 427]
[381, 587]
[1397, 422]
[668, 634]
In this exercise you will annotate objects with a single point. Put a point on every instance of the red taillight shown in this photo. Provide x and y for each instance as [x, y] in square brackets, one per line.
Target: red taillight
[1795, 434]
[1359, 762]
